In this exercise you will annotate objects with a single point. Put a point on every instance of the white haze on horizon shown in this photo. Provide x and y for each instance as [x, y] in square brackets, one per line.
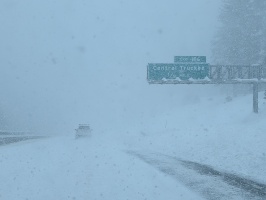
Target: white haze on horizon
[84, 61]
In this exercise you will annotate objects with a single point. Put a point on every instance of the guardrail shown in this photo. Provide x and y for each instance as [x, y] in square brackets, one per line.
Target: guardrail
[7, 137]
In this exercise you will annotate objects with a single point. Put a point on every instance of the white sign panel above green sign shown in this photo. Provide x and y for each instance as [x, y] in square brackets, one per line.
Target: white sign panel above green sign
[190, 59]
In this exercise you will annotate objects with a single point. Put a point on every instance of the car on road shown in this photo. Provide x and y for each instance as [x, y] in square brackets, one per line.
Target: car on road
[83, 130]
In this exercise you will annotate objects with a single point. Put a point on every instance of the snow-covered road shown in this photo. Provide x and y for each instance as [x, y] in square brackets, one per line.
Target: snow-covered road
[86, 169]
[100, 167]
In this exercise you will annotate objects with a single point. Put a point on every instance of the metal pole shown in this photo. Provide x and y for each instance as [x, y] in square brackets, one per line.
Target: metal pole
[256, 97]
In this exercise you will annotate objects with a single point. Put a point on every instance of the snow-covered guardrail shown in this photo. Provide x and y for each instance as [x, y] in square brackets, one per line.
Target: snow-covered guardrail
[7, 137]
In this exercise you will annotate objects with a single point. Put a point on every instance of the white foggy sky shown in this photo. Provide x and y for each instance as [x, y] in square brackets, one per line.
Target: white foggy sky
[73, 61]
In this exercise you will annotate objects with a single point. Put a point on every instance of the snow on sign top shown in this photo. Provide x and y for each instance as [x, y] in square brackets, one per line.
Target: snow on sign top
[184, 68]
[174, 71]
[190, 59]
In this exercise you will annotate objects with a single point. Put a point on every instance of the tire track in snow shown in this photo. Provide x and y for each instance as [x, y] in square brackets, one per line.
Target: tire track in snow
[205, 180]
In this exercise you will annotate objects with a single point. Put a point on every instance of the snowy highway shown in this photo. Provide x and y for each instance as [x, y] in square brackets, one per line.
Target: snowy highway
[86, 169]
[207, 161]
[133, 100]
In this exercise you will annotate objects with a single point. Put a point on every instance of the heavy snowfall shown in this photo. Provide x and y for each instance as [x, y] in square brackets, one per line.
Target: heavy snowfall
[79, 120]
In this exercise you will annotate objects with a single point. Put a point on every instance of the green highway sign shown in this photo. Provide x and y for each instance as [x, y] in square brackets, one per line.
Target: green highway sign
[190, 59]
[177, 71]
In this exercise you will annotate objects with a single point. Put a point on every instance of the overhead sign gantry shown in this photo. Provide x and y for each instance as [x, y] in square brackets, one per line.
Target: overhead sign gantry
[195, 70]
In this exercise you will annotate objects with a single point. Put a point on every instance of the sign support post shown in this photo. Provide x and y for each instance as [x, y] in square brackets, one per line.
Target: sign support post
[256, 97]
